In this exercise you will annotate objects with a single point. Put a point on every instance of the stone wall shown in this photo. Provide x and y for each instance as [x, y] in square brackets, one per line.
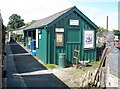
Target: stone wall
[112, 63]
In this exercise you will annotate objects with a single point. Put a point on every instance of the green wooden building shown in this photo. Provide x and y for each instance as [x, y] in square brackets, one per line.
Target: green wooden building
[60, 33]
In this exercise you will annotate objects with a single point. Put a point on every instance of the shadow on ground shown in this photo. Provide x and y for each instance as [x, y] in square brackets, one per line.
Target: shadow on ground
[27, 65]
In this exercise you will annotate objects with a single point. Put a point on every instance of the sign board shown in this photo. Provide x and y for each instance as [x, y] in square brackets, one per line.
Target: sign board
[40, 36]
[88, 39]
[74, 22]
[59, 30]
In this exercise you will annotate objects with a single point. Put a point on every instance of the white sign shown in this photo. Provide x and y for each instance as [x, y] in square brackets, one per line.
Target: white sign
[36, 38]
[59, 29]
[74, 22]
[88, 39]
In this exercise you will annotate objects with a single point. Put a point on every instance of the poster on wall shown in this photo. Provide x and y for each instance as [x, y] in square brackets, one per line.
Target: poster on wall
[88, 39]
[59, 39]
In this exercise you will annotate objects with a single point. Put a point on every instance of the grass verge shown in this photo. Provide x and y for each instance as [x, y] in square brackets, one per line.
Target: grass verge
[51, 66]
[83, 70]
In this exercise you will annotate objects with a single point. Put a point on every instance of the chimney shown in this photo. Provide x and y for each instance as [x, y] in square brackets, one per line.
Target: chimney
[107, 23]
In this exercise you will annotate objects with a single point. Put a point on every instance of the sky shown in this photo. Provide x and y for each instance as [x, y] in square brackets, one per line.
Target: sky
[95, 10]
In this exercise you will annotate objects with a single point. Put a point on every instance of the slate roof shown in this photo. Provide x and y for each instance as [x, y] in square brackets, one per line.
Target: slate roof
[47, 20]
[17, 29]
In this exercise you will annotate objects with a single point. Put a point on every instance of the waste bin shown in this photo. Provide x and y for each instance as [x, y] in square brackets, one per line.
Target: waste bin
[62, 61]
[33, 53]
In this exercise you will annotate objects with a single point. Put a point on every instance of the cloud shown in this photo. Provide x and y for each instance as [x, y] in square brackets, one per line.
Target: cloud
[32, 9]
[37, 9]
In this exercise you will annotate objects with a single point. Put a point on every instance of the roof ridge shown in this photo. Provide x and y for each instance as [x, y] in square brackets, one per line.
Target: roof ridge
[59, 12]
[49, 19]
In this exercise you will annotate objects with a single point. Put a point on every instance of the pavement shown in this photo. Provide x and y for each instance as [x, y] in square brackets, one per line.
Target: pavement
[24, 72]
[12, 81]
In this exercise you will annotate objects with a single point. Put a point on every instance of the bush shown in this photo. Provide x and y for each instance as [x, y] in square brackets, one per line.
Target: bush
[117, 33]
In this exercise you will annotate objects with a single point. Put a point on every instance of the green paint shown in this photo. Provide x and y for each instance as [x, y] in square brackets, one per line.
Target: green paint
[48, 47]
[42, 49]
[73, 36]
[27, 39]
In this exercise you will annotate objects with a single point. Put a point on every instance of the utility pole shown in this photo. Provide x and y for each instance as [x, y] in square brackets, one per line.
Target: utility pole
[1, 48]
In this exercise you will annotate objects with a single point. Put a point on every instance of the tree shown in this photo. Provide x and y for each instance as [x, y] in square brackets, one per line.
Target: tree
[30, 23]
[15, 21]
[101, 29]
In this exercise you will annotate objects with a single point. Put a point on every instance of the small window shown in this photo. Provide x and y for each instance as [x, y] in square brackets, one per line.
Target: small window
[59, 39]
